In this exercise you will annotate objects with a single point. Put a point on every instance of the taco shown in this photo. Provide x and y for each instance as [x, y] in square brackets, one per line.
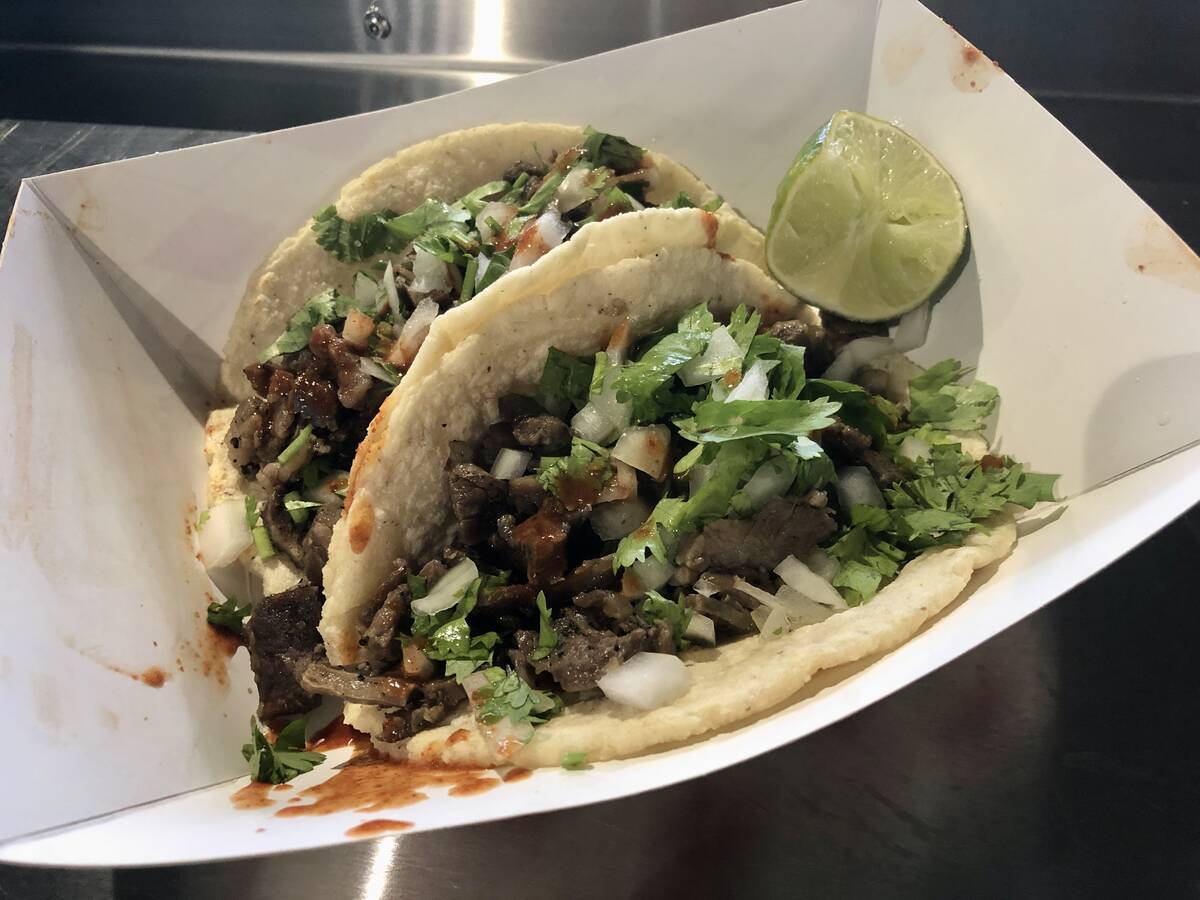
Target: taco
[335, 317]
[626, 512]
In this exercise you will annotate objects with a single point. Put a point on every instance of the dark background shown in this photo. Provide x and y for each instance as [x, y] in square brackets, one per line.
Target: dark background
[1055, 760]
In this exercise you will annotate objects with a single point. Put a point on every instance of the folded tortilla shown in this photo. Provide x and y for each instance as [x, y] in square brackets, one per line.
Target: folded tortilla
[446, 167]
[400, 506]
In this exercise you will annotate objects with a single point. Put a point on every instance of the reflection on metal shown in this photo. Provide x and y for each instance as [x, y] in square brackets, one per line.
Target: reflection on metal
[379, 871]
[375, 23]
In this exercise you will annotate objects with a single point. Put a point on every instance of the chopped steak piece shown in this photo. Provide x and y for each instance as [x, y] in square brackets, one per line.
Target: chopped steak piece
[822, 342]
[315, 401]
[285, 534]
[844, 443]
[428, 705]
[584, 653]
[246, 432]
[315, 545]
[507, 597]
[728, 615]
[379, 638]
[544, 433]
[785, 525]
[882, 469]
[542, 540]
[477, 499]
[282, 638]
[460, 454]
[612, 604]
[373, 690]
[590, 575]
[526, 494]
[353, 384]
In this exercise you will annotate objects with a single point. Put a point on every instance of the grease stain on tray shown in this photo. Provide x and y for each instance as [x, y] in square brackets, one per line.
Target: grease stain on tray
[901, 54]
[254, 795]
[970, 70]
[376, 827]
[338, 734]
[1159, 252]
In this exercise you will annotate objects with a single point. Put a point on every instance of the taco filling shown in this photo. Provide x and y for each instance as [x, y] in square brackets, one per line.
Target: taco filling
[316, 388]
[695, 487]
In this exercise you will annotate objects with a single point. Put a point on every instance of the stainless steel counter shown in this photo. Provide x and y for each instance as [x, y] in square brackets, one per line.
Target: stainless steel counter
[1056, 759]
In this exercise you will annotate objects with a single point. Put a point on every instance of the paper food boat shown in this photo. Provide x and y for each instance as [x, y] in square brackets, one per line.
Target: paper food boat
[120, 281]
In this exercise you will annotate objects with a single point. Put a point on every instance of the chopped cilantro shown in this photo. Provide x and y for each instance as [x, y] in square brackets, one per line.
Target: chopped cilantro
[298, 508]
[449, 635]
[547, 638]
[299, 442]
[683, 200]
[715, 421]
[565, 382]
[938, 399]
[542, 196]
[468, 280]
[574, 760]
[282, 761]
[507, 695]
[648, 537]
[675, 614]
[353, 240]
[228, 615]
[497, 266]
[202, 519]
[477, 199]
[638, 381]
[587, 462]
[612, 151]
[321, 309]
[858, 408]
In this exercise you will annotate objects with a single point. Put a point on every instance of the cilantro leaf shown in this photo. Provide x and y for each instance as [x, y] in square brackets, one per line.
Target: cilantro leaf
[352, 240]
[717, 422]
[449, 637]
[647, 537]
[475, 201]
[228, 615]
[202, 519]
[573, 760]
[282, 761]
[547, 638]
[406, 228]
[565, 382]
[743, 326]
[789, 378]
[938, 399]
[588, 465]
[638, 381]
[683, 200]
[611, 150]
[507, 695]
[324, 308]
[542, 196]
[675, 614]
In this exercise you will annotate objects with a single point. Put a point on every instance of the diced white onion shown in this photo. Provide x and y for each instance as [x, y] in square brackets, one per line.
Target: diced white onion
[592, 425]
[800, 577]
[800, 609]
[474, 683]
[822, 564]
[413, 334]
[651, 573]
[575, 188]
[481, 266]
[857, 354]
[706, 586]
[647, 681]
[621, 486]
[701, 629]
[389, 291]
[754, 383]
[856, 487]
[538, 238]
[914, 448]
[224, 536]
[745, 587]
[357, 329]
[771, 479]
[323, 492]
[505, 737]
[612, 521]
[912, 329]
[721, 355]
[430, 274]
[510, 464]
[502, 213]
[448, 589]
[771, 620]
[375, 370]
[646, 449]
[366, 291]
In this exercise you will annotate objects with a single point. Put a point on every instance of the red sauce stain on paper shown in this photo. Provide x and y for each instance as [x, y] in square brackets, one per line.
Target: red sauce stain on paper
[152, 676]
[516, 774]
[971, 71]
[1159, 252]
[338, 734]
[253, 796]
[371, 783]
[376, 827]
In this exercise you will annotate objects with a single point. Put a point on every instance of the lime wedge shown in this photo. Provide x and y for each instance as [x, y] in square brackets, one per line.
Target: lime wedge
[866, 223]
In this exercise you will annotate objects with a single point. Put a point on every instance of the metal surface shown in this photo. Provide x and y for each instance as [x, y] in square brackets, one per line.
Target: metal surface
[1054, 760]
